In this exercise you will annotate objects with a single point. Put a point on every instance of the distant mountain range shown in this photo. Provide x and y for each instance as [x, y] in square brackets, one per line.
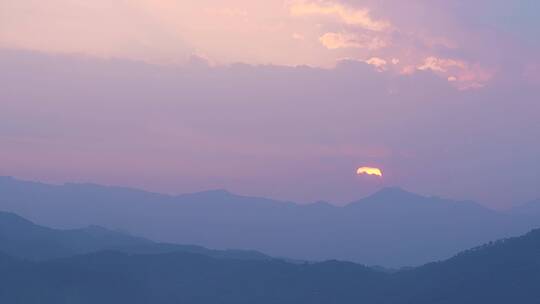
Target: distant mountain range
[26, 240]
[392, 228]
[506, 271]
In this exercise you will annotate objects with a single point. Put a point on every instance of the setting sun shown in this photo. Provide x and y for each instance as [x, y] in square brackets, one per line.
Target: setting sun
[369, 171]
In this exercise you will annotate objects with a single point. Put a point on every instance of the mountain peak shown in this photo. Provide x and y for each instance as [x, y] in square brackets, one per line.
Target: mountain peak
[12, 218]
[389, 195]
[393, 193]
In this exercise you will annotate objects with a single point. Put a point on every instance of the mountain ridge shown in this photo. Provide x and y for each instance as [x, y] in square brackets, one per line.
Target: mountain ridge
[392, 228]
[21, 238]
[500, 272]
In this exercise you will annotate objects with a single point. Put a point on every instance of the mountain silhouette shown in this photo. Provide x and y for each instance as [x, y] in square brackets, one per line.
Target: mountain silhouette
[24, 239]
[391, 228]
[505, 271]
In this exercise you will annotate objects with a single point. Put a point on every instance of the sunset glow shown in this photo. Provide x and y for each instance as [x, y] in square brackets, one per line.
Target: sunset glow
[290, 33]
[275, 98]
[369, 171]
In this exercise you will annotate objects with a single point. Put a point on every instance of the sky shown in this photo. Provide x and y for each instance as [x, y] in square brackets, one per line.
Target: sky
[284, 99]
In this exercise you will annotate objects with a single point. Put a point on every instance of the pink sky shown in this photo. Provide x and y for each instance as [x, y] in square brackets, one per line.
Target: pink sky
[393, 35]
[442, 95]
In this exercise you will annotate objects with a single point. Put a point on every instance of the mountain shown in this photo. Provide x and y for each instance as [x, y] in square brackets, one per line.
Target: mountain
[110, 277]
[392, 228]
[530, 209]
[422, 229]
[507, 271]
[24, 239]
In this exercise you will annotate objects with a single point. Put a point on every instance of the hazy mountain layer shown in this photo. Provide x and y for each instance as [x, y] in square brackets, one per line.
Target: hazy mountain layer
[392, 228]
[507, 271]
[23, 239]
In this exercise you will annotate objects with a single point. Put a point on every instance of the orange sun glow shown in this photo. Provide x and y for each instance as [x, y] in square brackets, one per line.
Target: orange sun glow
[369, 171]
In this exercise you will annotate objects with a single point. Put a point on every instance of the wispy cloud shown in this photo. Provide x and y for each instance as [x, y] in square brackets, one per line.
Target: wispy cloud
[440, 64]
[463, 75]
[352, 16]
[422, 35]
[351, 40]
[378, 63]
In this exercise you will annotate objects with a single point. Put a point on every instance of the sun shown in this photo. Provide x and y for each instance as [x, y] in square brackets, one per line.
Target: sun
[369, 171]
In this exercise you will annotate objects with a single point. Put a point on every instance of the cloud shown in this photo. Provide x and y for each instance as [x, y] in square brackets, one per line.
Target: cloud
[349, 40]
[409, 50]
[473, 77]
[440, 64]
[378, 63]
[463, 75]
[316, 33]
[105, 28]
[351, 16]
[330, 120]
